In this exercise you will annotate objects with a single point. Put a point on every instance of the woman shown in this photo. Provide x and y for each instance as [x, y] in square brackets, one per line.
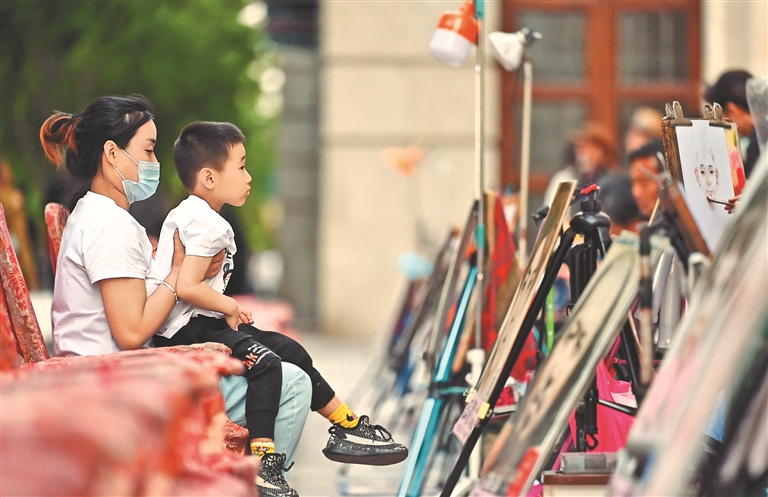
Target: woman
[100, 302]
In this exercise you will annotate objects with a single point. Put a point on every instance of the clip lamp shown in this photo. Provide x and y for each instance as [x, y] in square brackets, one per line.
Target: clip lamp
[455, 34]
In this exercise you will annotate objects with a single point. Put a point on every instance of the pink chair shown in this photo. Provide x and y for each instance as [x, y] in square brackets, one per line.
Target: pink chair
[56, 216]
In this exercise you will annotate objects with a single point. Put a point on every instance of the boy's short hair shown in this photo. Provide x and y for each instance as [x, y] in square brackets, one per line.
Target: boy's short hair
[203, 144]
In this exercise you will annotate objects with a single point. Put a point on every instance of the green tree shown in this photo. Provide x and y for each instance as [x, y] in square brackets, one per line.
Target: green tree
[190, 58]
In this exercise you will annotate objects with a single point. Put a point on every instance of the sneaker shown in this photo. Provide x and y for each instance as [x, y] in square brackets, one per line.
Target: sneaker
[363, 444]
[270, 480]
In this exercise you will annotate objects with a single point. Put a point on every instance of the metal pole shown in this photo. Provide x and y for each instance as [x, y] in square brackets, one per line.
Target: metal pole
[525, 160]
[479, 166]
[476, 356]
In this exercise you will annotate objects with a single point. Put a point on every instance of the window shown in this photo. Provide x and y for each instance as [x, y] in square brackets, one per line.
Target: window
[598, 60]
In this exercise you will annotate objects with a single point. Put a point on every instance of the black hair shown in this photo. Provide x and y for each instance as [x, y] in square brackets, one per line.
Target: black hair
[616, 198]
[77, 140]
[650, 149]
[731, 86]
[203, 144]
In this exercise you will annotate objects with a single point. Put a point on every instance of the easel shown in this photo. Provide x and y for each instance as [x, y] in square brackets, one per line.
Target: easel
[593, 225]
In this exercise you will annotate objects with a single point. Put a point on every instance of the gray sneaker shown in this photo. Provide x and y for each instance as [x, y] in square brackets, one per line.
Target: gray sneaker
[270, 480]
[363, 444]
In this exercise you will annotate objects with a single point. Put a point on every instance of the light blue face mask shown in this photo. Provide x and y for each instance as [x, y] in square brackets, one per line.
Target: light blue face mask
[149, 178]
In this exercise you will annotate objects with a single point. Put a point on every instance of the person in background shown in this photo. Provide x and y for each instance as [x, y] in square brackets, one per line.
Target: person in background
[730, 92]
[644, 126]
[618, 203]
[12, 200]
[594, 155]
[644, 164]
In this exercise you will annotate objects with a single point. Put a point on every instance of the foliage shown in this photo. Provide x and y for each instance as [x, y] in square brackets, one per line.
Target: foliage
[190, 58]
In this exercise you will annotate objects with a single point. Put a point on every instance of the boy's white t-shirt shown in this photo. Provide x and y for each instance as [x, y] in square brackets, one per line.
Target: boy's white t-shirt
[204, 233]
[101, 240]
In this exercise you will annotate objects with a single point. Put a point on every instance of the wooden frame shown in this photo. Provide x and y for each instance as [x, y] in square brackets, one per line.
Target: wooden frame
[703, 156]
[601, 92]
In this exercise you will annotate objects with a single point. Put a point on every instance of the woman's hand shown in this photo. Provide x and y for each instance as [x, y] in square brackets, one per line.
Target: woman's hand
[178, 253]
[133, 317]
[215, 266]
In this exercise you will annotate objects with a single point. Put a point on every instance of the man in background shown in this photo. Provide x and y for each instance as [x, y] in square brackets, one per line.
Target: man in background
[644, 164]
[730, 92]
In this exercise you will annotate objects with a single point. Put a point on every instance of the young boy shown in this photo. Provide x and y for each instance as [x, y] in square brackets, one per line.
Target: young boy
[210, 160]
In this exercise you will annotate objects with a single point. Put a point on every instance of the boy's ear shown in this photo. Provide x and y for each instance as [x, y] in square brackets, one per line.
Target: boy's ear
[206, 178]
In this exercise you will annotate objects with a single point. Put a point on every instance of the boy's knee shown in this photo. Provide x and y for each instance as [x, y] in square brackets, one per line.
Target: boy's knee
[258, 355]
[298, 355]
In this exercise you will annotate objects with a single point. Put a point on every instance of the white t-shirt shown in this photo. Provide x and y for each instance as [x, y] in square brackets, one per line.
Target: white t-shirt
[101, 240]
[204, 233]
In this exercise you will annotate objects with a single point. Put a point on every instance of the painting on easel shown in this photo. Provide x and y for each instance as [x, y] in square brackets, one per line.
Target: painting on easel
[702, 157]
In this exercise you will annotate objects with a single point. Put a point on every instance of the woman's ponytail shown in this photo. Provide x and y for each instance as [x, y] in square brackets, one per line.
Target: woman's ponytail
[77, 141]
[57, 135]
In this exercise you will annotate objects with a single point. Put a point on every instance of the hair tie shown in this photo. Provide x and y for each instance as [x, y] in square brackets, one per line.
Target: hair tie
[69, 137]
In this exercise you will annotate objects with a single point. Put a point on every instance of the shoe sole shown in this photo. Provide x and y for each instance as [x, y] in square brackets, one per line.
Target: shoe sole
[371, 460]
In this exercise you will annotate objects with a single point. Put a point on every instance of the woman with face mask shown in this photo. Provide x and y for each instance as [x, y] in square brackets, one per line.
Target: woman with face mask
[100, 302]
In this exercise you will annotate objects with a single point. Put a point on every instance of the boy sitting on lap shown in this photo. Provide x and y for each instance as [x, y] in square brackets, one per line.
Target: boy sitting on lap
[210, 159]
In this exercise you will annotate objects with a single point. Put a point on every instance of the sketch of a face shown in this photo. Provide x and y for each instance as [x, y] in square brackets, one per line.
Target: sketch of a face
[707, 173]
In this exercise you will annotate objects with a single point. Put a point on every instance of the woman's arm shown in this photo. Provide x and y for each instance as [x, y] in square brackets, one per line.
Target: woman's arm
[133, 317]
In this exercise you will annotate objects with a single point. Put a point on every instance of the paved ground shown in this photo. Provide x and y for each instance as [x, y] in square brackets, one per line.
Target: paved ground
[313, 475]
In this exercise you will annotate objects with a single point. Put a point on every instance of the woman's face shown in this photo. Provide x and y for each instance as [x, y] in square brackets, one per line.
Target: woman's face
[140, 148]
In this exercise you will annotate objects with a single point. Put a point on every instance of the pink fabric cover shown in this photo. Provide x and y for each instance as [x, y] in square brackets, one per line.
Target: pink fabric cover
[24, 325]
[120, 424]
[9, 353]
[612, 426]
[56, 216]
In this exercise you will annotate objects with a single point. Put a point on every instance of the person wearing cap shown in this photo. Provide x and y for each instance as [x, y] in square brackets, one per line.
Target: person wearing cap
[595, 155]
[730, 91]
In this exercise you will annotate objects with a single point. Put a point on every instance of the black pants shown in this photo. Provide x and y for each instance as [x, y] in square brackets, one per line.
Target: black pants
[261, 353]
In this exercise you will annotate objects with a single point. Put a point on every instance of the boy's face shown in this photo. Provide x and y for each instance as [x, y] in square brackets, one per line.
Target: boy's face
[233, 182]
[707, 174]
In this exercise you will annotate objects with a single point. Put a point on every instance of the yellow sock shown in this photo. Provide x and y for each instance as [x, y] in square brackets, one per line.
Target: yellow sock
[259, 448]
[343, 416]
